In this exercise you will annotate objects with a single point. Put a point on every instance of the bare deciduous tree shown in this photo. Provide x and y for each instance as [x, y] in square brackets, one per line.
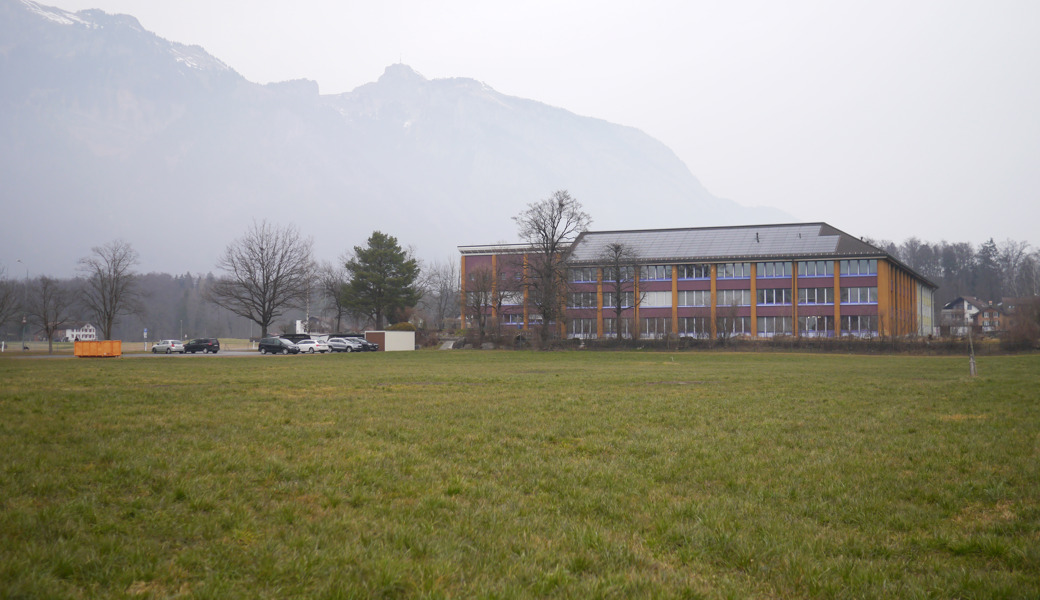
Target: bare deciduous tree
[440, 299]
[110, 288]
[1010, 257]
[49, 304]
[331, 279]
[549, 226]
[619, 271]
[8, 298]
[483, 298]
[268, 270]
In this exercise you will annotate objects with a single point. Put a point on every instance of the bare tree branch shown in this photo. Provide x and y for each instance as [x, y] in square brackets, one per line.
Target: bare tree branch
[268, 270]
[110, 289]
[49, 304]
[549, 226]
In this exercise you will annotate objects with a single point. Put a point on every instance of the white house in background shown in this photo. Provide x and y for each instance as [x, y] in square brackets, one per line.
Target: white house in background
[82, 333]
[958, 315]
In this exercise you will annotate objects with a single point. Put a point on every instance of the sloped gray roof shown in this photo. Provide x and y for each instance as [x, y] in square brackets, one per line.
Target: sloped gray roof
[743, 243]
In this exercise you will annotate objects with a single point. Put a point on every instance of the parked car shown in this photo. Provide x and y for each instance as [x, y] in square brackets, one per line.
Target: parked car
[368, 346]
[312, 346]
[203, 345]
[278, 346]
[168, 347]
[339, 345]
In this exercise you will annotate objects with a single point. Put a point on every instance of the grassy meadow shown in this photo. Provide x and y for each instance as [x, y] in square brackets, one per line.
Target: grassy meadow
[520, 475]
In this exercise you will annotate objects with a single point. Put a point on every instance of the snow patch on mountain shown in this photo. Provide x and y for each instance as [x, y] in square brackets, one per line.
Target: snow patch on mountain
[57, 15]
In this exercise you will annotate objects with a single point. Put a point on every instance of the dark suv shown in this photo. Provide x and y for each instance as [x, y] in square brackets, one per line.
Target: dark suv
[278, 346]
[203, 345]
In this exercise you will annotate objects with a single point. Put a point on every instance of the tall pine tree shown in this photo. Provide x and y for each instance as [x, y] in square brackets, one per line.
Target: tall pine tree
[382, 279]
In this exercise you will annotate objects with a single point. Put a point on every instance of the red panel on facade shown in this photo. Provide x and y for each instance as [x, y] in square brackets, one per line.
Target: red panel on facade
[472, 262]
[733, 284]
[859, 281]
[817, 310]
[696, 311]
[858, 309]
[695, 285]
[776, 311]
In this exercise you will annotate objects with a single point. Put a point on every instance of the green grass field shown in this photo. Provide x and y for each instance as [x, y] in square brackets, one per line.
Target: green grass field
[520, 475]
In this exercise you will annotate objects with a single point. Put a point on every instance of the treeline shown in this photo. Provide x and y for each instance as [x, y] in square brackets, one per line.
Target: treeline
[178, 306]
[992, 271]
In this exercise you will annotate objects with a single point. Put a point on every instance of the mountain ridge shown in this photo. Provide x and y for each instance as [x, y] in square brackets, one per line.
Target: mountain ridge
[114, 132]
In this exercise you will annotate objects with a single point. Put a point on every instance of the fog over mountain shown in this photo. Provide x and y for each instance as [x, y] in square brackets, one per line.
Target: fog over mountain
[109, 131]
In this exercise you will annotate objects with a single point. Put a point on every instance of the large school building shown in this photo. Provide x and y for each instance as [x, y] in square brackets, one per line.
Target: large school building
[807, 279]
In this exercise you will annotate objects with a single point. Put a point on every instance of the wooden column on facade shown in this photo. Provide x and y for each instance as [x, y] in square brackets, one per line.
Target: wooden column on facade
[675, 300]
[885, 298]
[794, 299]
[837, 298]
[494, 288]
[634, 331]
[527, 312]
[462, 293]
[754, 300]
[599, 303]
[714, 303]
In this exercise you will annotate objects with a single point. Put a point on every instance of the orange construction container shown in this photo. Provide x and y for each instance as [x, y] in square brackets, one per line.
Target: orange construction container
[106, 349]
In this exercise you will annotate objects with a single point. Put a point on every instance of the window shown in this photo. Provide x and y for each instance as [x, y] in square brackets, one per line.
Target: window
[859, 295]
[816, 326]
[581, 300]
[862, 325]
[583, 274]
[512, 319]
[694, 327]
[859, 267]
[582, 328]
[695, 298]
[655, 327]
[512, 298]
[733, 298]
[824, 295]
[694, 271]
[610, 299]
[655, 273]
[774, 296]
[657, 299]
[773, 269]
[733, 271]
[816, 268]
[610, 328]
[611, 274]
[770, 326]
[728, 326]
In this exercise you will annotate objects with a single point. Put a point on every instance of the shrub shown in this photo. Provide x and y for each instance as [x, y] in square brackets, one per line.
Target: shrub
[402, 326]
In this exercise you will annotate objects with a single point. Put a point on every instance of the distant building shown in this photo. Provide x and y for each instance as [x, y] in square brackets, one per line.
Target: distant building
[807, 279]
[990, 319]
[81, 332]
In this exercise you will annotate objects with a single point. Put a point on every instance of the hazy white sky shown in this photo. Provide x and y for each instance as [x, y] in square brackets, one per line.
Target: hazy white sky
[887, 119]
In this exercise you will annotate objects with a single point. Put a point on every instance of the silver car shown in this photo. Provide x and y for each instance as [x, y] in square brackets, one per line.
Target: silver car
[168, 347]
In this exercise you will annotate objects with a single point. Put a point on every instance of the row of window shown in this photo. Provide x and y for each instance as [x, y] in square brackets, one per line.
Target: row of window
[780, 269]
[765, 297]
[661, 327]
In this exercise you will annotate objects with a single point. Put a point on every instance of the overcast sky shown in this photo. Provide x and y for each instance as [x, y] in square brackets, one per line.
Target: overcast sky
[885, 119]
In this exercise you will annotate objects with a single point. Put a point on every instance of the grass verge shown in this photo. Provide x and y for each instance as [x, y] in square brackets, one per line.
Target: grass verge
[520, 474]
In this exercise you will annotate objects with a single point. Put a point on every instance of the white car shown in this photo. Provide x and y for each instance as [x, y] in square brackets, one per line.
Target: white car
[168, 347]
[312, 346]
